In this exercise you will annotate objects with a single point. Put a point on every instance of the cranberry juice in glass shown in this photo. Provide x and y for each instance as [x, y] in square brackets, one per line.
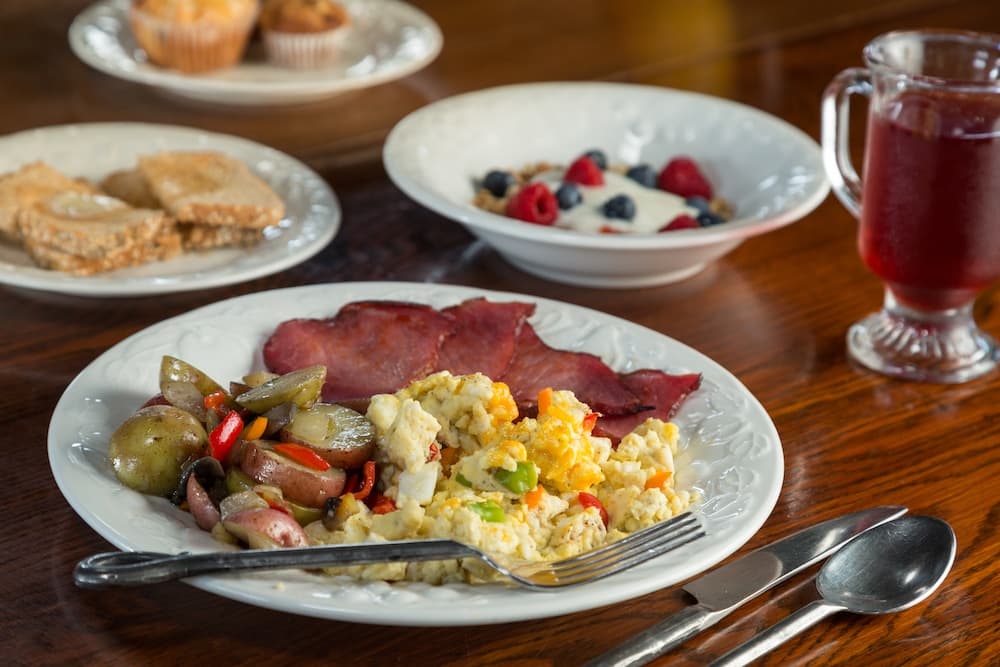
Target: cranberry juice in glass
[930, 222]
[929, 199]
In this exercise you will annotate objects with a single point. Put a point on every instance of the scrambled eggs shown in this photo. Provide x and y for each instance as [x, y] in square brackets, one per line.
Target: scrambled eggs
[457, 465]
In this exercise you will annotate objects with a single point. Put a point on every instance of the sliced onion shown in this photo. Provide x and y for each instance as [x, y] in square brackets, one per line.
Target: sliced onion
[185, 395]
[237, 388]
[244, 500]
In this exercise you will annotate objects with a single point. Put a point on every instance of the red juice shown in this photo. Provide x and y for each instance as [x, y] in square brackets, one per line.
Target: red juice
[930, 214]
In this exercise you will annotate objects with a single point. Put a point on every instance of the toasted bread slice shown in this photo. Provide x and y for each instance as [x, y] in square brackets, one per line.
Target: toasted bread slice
[196, 236]
[164, 246]
[28, 185]
[211, 188]
[131, 187]
[88, 225]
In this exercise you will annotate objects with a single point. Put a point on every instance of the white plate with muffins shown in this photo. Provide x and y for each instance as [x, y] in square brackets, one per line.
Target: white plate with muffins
[243, 52]
[132, 209]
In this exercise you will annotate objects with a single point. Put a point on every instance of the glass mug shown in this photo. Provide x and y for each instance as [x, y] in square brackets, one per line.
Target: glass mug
[929, 198]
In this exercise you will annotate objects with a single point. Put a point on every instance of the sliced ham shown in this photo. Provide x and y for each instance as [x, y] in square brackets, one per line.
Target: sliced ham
[660, 393]
[369, 347]
[484, 337]
[372, 347]
[536, 366]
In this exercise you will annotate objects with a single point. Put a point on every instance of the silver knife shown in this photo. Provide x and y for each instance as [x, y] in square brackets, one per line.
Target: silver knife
[723, 590]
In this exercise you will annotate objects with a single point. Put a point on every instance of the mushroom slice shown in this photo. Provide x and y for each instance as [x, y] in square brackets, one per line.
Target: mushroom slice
[210, 475]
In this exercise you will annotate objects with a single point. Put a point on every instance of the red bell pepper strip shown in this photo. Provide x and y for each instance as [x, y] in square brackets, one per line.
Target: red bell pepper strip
[352, 484]
[214, 401]
[383, 505]
[302, 454]
[590, 500]
[223, 437]
[368, 483]
[275, 505]
[590, 421]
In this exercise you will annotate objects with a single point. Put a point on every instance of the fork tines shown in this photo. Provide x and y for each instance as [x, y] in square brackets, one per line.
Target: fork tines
[625, 553]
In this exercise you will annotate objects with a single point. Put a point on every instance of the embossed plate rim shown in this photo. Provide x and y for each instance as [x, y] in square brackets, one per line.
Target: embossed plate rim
[92, 150]
[739, 467]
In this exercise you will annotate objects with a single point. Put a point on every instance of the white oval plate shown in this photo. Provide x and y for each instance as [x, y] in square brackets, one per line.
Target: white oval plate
[732, 455]
[388, 40]
[770, 171]
[91, 151]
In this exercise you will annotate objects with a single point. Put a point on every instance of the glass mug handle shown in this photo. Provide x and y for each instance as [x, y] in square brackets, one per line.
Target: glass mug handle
[835, 122]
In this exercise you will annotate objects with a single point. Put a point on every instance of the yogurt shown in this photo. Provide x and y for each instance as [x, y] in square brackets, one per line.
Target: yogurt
[654, 208]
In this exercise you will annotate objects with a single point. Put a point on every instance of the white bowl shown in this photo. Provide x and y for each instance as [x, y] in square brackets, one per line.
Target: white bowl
[771, 172]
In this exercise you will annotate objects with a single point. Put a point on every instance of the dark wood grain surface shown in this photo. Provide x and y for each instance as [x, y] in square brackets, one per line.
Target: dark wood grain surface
[774, 312]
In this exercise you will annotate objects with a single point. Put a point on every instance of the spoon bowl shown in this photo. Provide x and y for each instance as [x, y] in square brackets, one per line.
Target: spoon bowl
[889, 568]
[886, 569]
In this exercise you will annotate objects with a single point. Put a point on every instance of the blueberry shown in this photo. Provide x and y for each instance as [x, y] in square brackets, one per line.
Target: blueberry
[643, 174]
[699, 203]
[619, 206]
[497, 182]
[599, 158]
[568, 195]
[707, 219]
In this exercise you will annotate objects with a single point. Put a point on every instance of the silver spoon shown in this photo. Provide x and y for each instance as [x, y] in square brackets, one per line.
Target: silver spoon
[886, 569]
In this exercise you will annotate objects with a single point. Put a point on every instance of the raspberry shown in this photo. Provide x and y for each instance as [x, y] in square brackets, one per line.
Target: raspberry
[682, 177]
[680, 222]
[534, 203]
[585, 172]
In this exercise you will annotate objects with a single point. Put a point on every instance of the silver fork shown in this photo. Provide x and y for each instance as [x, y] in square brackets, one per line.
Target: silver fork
[134, 568]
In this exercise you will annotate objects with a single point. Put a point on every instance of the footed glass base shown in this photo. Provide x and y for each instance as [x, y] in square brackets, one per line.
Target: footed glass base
[945, 346]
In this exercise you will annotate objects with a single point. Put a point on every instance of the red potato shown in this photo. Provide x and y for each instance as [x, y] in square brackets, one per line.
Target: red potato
[298, 483]
[204, 511]
[265, 529]
[343, 437]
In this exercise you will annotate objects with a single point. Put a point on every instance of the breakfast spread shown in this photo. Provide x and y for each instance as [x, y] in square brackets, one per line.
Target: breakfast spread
[274, 461]
[196, 36]
[172, 201]
[594, 197]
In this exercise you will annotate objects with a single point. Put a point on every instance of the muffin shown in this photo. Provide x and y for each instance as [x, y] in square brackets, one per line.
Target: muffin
[303, 33]
[193, 35]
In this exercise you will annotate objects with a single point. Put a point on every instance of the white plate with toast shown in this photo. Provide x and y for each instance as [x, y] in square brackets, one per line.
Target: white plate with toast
[389, 39]
[87, 153]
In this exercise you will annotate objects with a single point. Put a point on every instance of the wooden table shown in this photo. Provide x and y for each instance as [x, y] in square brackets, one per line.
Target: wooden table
[774, 312]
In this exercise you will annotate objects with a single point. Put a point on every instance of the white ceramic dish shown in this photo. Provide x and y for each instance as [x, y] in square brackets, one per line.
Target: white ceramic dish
[734, 457]
[91, 151]
[770, 171]
[388, 40]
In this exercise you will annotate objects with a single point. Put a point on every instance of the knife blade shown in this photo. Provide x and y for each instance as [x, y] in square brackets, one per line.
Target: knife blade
[723, 590]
